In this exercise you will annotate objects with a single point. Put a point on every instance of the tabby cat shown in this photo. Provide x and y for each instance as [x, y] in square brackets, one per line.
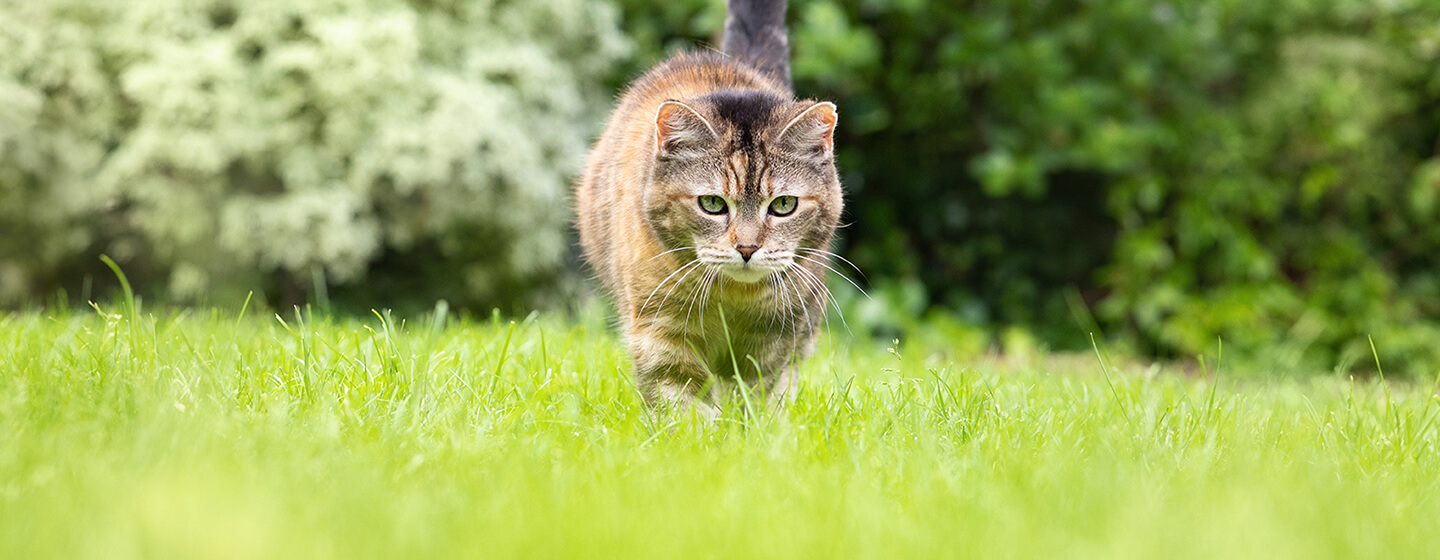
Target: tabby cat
[707, 208]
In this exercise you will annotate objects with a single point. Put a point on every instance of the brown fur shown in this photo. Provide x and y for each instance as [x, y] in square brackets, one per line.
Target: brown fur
[696, 124]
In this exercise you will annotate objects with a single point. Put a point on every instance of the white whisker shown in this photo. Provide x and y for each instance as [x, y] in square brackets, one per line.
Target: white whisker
[719, 278]
[837, 273]
[660, 307]
[704, 286]
[667, 252]
[775, 294]
[836, 255]
[801, 299]
[835, 304]
[791, 313]
[662, 284]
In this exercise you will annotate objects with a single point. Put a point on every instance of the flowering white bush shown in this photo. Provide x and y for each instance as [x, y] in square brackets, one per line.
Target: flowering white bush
[220, 143]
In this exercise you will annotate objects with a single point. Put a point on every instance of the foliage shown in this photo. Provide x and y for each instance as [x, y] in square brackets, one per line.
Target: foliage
[207, 146]
[1167, 173]
[1172, 172]
[211, 435]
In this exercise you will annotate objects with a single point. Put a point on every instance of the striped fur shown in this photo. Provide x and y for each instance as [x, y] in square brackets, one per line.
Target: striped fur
[696, 311]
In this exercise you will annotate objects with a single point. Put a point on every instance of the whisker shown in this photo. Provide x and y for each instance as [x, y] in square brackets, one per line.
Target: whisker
[690, 299]
[834, 303]
[775, 295]
[667, 252]
[791, 314]
[836, 255]
[695, 297]
[677, 284]
[716, 278]
[802, 281]
[800, 298]
[662, 284]
[837, 273]
[828, 296]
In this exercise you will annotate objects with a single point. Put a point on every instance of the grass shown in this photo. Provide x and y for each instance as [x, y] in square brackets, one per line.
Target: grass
[216, 436]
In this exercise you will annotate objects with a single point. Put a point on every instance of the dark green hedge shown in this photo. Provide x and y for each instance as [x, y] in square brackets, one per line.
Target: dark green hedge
[1176, 172]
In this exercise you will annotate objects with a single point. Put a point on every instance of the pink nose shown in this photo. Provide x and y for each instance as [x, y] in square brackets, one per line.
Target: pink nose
[746, 251]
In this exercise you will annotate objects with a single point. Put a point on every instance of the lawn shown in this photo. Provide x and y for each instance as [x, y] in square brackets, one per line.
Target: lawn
[221, 435]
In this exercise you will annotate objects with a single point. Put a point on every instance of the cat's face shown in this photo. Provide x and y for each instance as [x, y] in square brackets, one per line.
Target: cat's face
[746, 181]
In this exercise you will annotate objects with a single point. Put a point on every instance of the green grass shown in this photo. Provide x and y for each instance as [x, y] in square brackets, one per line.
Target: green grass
[207, 435]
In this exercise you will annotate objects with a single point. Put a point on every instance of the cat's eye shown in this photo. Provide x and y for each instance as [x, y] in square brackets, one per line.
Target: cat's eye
[712, 204]
[783, 205]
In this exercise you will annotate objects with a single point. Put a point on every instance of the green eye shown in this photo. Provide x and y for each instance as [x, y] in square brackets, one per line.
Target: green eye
[712, 204]
[783, 205]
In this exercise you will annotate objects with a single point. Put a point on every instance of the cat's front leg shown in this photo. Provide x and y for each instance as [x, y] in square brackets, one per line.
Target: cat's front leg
[670, 376]
[785, 386]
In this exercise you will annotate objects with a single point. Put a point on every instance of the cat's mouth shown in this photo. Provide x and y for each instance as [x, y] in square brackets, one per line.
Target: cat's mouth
[747, 272]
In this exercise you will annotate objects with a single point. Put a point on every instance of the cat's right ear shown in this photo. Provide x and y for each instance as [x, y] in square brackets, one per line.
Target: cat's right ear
[681, 132]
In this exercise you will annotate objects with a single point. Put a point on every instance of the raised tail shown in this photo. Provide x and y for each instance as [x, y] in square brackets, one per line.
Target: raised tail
[755, 34]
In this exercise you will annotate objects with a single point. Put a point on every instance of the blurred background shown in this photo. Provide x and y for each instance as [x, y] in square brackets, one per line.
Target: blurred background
[1165, 174]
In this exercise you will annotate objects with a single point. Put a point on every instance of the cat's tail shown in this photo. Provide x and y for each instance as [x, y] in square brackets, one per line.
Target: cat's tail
[755, 34]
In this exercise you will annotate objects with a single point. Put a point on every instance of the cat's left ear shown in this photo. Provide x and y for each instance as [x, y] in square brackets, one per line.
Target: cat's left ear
[680, 131]
[811, 134]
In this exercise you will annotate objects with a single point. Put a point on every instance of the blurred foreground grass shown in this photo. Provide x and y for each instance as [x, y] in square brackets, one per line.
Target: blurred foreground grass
[207, 435]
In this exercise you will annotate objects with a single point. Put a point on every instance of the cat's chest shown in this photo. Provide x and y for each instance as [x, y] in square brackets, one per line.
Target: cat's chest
[743, 331]
[743, 327]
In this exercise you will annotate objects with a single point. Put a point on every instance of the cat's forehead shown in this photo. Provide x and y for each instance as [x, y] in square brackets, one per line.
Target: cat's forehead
[745, 115]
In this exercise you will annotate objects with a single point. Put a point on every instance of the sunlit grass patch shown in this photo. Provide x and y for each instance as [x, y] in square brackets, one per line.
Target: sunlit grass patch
[200, 434]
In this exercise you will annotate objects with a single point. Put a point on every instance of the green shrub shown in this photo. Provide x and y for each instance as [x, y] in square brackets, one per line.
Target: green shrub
[1177, 172]
[222, 145]
[1171, 173]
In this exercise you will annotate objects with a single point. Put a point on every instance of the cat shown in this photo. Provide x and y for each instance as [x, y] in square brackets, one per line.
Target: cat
[707, 208]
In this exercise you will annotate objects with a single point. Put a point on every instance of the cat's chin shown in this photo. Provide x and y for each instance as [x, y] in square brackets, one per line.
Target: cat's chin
[746, 274]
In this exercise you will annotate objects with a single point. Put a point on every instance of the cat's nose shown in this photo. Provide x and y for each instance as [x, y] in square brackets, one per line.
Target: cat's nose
[746, 251]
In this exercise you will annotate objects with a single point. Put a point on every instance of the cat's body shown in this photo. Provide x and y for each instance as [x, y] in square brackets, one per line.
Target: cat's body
[705, 209]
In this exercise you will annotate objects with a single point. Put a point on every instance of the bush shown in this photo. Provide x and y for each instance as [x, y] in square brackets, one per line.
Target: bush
[217, 146]
[1175, 172]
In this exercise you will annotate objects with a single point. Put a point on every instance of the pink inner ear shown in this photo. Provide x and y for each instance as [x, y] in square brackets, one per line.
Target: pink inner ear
[677, 123]
[827, 118]
[816, 124]
[666, 123]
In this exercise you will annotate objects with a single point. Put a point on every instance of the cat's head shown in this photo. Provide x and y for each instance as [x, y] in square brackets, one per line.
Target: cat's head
[746, 178]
